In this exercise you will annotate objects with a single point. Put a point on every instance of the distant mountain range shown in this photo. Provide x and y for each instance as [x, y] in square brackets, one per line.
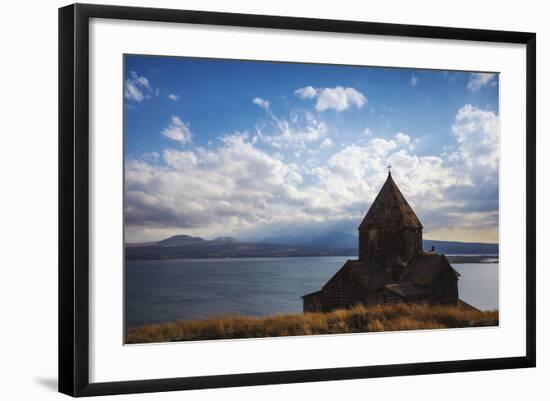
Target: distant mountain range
[187, 247]
[330, 244]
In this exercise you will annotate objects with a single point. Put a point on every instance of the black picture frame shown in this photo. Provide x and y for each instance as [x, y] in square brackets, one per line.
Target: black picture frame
[74, 200]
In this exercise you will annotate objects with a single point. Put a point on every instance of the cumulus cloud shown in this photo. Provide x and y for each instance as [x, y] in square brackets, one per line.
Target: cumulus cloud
[477, 135]
[337, 98]
[479, 79]
[402, 139]
[264, 104]
[137, 88]
[308, 92]
[327, 143]
[236, 185]
[440, 189]
[178, 131]
[173, 97]
[352, 177]
[240, 187]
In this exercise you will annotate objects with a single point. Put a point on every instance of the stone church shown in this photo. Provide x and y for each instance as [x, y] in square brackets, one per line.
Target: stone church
[392, 266]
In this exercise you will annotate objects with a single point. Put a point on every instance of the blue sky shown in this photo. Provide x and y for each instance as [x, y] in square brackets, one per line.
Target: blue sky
[248, 149]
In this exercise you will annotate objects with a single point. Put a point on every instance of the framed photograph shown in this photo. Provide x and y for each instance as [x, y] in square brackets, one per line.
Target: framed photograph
[250, 199]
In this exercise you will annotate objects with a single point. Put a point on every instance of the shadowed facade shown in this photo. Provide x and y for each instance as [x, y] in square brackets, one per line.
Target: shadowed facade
[392, 266]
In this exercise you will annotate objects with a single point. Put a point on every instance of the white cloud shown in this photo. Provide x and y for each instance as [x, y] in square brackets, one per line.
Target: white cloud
[296, 137]
[179, 159]
[142, 81]
[367, 131]
[178, 131]
[414, 80]
[296, 133]
[477, 133]
[137, 88]
[478, 80]
[264, 104]
[352, 177]
[337, 98]
[402, 139]
[381, 146]
[173, 96]
[308, 92]
[327, 143]
[237, 187]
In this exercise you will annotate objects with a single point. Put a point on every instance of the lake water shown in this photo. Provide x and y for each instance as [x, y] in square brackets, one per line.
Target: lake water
[168, 290]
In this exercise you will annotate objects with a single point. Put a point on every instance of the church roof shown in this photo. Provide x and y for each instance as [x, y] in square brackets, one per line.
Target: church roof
[406, 290]
[366, 274]
[390, 209]
[424, 268]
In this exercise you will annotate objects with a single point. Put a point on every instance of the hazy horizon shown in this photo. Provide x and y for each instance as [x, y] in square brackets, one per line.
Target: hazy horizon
[252, 239]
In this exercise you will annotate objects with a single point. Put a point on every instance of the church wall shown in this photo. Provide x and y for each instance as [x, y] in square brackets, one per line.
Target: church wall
[387, 244]
[345, 295]
[313, 303]
[412, 242]
[339, 297]
[445, 287]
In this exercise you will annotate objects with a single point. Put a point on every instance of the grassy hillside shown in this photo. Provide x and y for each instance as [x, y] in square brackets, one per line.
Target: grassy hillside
[356, 320]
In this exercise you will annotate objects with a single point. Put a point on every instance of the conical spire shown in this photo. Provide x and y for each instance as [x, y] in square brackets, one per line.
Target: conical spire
[390, 209]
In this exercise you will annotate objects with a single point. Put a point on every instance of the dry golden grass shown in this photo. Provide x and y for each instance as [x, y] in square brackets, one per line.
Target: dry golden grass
[358, 319]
